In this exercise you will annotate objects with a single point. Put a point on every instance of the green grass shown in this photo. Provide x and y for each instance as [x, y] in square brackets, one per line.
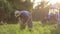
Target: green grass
[37, 29]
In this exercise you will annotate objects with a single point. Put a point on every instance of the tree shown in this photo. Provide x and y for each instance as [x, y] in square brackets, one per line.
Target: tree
[41, 11]
[7, 8]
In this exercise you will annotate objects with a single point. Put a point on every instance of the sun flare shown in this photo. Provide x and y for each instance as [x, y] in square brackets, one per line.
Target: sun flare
[50, 2]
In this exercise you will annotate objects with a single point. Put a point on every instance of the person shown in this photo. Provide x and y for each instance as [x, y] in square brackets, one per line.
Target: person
[25, 18]
[58, 18]
[49, 16]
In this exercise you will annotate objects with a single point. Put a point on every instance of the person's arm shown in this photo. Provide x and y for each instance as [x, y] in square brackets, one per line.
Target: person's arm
[19, 18]
[28, 18]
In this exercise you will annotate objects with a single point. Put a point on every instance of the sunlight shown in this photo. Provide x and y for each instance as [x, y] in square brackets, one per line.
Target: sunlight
[53, 1]
[58, 1]
[36, 3]
[50, 2]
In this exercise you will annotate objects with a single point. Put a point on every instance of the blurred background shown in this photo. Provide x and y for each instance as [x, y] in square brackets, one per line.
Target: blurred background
[38, 8]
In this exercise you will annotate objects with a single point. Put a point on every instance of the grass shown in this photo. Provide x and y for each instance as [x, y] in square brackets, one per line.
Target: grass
[38, 28]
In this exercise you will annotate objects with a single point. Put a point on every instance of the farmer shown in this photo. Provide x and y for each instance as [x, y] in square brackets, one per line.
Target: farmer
[51, 18]
[25, 18]
[58, 18]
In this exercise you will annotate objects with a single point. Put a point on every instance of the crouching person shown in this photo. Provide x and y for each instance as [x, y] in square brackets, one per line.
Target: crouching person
[25, 18]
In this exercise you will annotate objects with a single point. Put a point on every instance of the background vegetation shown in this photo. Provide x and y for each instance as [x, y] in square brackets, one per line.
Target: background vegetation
[39, 28]
[9, 21]
[7, 8]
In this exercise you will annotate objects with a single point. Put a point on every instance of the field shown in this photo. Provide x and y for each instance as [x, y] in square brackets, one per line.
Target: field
[37, 29]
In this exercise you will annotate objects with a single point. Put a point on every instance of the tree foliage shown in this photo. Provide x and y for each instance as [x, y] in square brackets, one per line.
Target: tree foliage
[7, 8]
[40, 11]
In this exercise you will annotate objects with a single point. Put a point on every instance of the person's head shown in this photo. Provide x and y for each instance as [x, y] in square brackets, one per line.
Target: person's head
[17, 13]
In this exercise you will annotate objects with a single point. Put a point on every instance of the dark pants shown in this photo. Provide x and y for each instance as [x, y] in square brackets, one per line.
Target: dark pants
[23, 23]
